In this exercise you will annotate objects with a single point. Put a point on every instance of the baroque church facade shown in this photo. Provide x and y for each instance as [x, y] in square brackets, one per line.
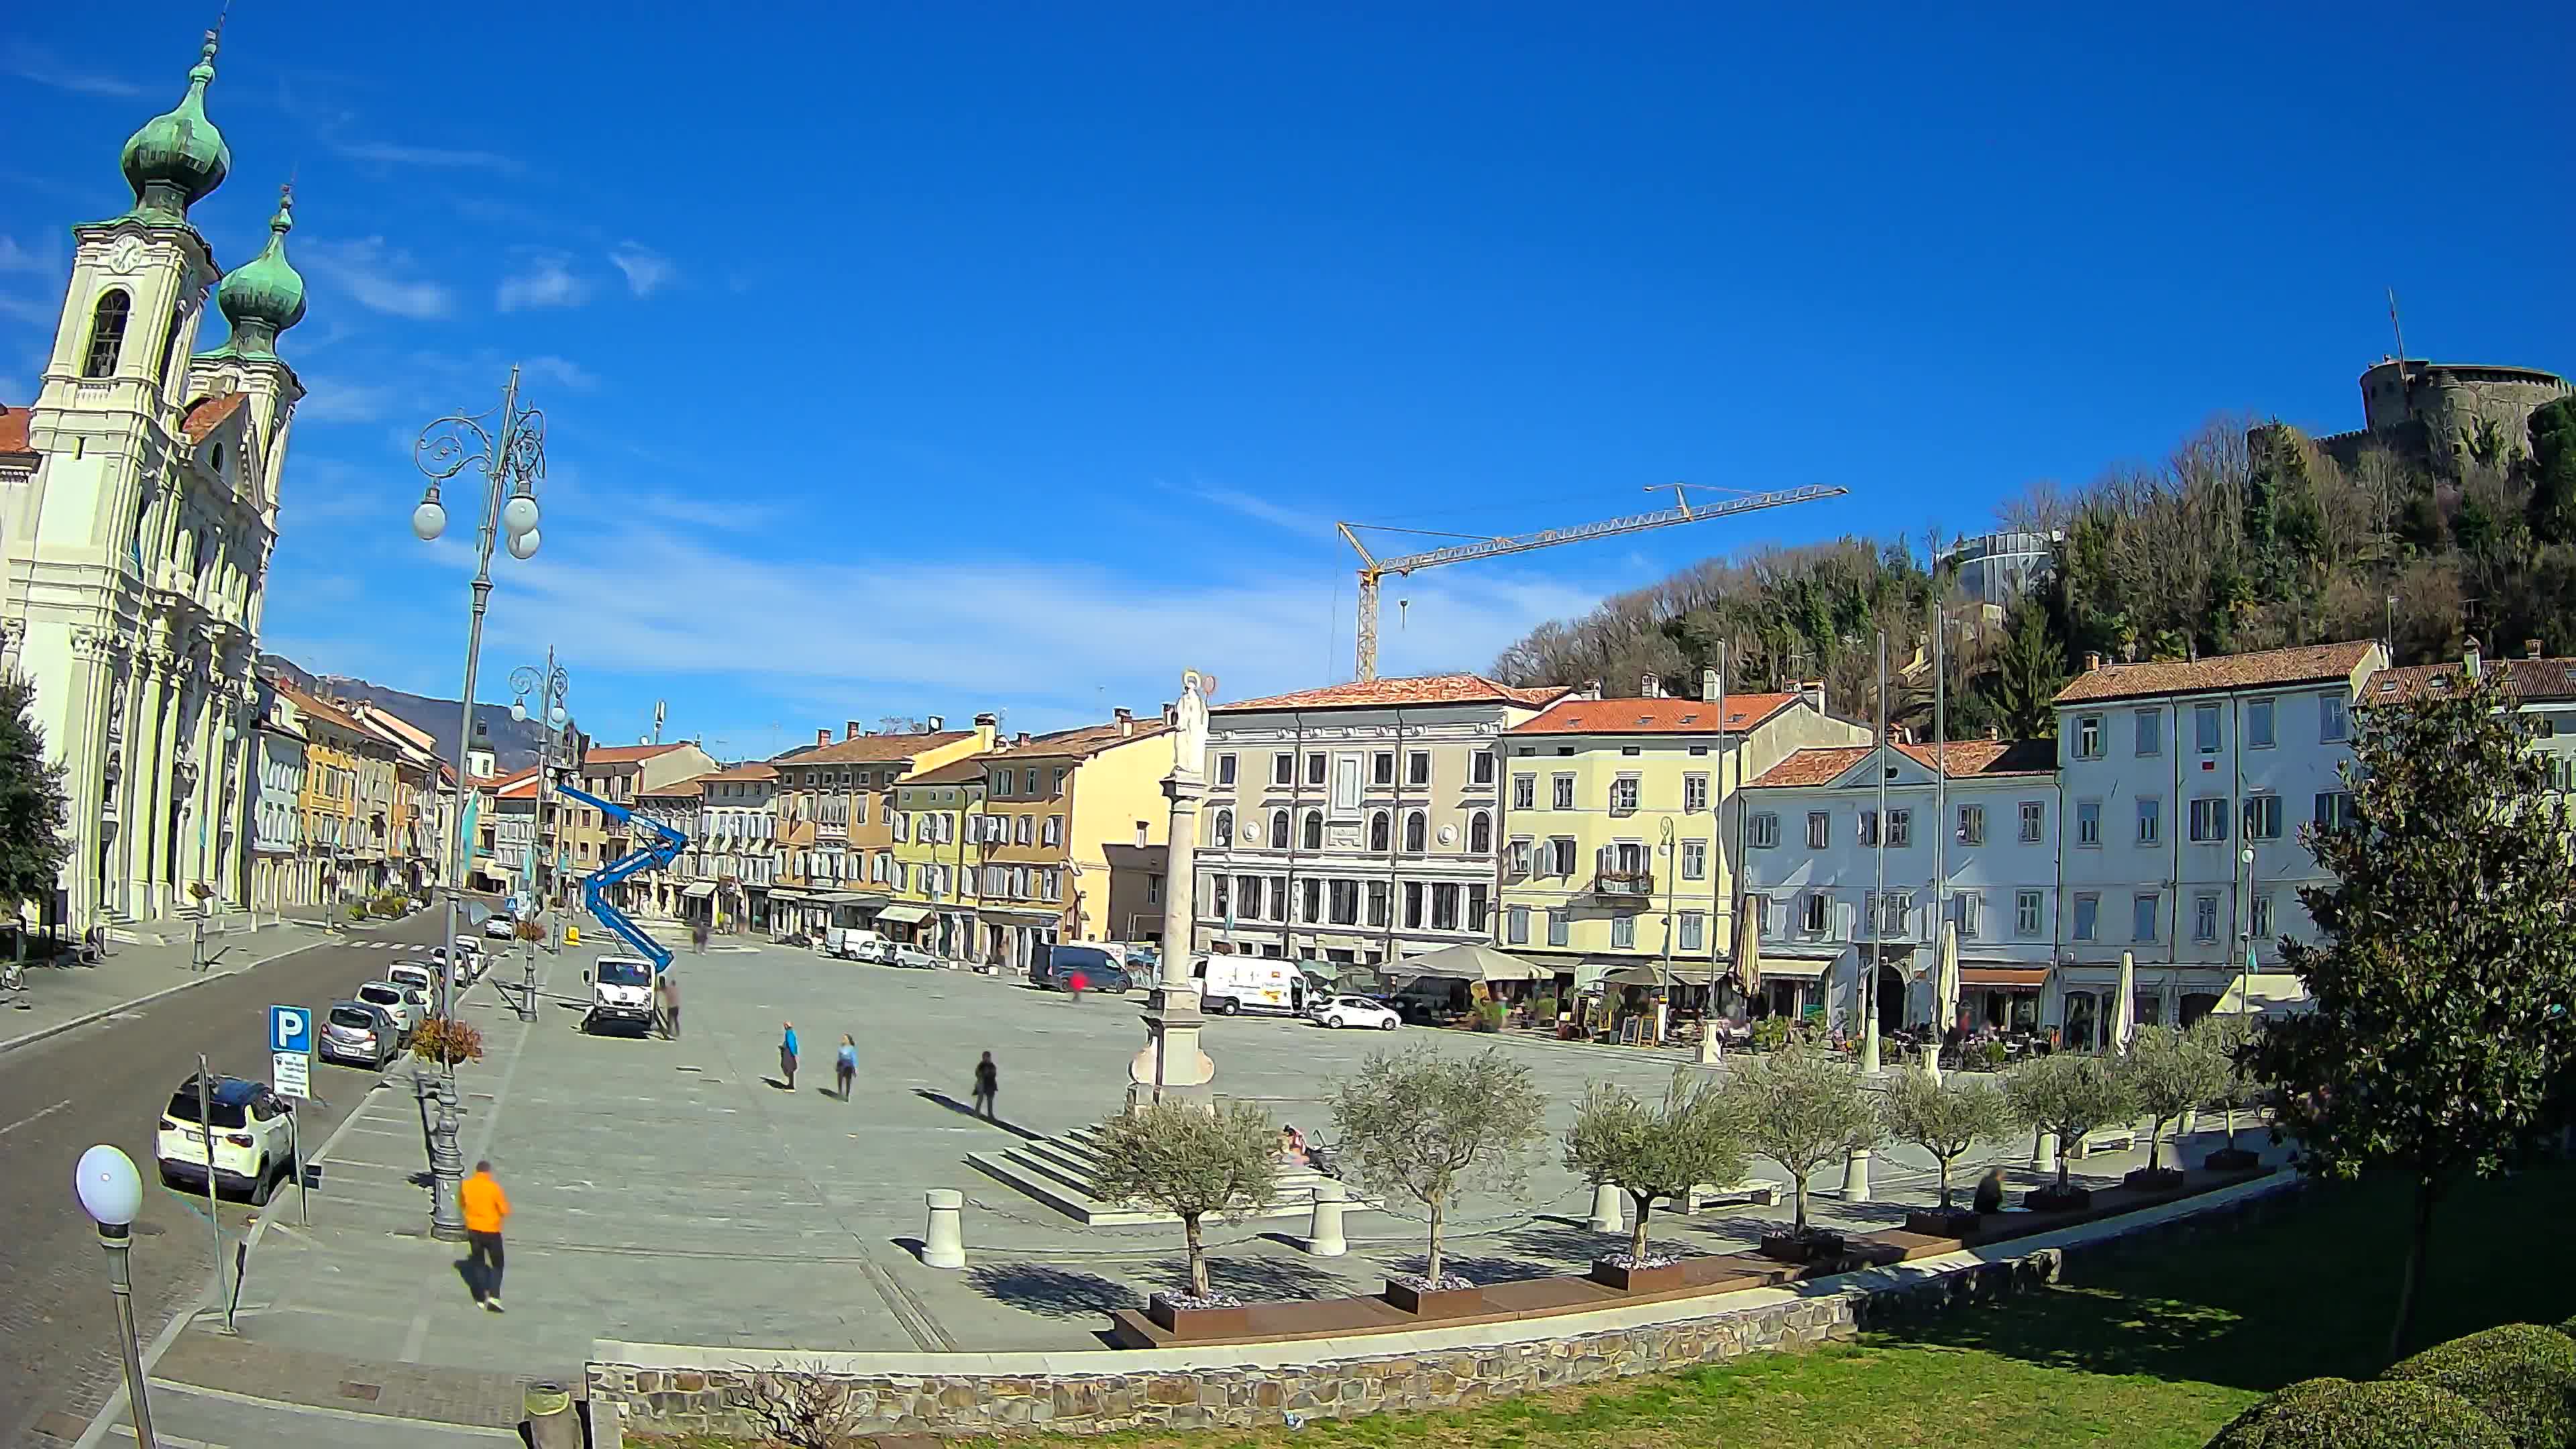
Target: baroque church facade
[138, 550]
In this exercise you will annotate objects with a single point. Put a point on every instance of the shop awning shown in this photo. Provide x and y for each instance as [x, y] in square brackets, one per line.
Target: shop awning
[849, 898]
[1007, 913]
[1650, 975]
[2265, 993]
[1468, 962]
[699, 890]
[1805, 968]
[783, 893]
[905, 915]
[2015, 978]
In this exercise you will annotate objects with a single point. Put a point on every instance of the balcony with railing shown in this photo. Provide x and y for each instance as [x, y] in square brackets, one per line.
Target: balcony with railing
[1624, 884]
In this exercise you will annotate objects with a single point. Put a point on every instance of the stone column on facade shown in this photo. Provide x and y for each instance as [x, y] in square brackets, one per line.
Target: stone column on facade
[147, 763]
[1172, 1067]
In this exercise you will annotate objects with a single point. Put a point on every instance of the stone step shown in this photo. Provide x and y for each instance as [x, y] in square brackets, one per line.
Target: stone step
[1060, 1172]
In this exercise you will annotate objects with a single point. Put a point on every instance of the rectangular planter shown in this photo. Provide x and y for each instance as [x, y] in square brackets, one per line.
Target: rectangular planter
[1443, 1303]
[1638, 1280]
[1788, 1248]
[1941, 1223]
[1195, 1323]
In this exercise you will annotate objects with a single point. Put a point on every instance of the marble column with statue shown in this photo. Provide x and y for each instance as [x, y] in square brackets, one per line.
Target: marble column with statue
[1173, 1067]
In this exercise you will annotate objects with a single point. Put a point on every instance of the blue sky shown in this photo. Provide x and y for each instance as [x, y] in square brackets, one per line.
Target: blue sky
[935, 359]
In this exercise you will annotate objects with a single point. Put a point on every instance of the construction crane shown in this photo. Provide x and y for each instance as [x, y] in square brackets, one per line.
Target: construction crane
[1373, 569]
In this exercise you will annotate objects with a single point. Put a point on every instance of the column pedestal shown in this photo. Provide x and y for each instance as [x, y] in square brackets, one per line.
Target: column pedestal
[1172, 1067]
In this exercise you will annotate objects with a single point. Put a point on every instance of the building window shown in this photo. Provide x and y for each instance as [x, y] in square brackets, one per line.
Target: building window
[1694, 860]
[1972, 825]
[2258, 724]
[1623, 933]
[2088, 822]
[1315, 767]
[1480, 771]
[1694, 793]
[1623, 795]
[1312, 906]
[1379, 836]
[2334, 807]
[1031, 781]
[1869, 829]
[1346, 784]
[2151, 820]
[1313, 836]
[1247, 894]
[1476, 906]
[1516, 856]
[107, 332]
[1279, 830]
[1283, 770]
[1480, 834]
[1223, 834]
[2088, 913]
[1279, 898]
[2204, 728]
[1968, 909]
[1417, 831]
[1417, 768]
[1377, 897]
[2088, 737]
[1524, 792]
[1820, 829]
[2262, 916]
[1900, 829]
[1694, 932]
[1815, 913]
[1344, 905]
[2142, 916]
[2026, 910]
[1225, 769]
[1762, 832]
[2209, 818]
[2333, 725]
[1562, 848]
[1564, 792]
[1413, 905]
[2034, 820]
[1382, 768]
[1516, 926]
[2151, 732]
[2204, 916]
[1556, 928]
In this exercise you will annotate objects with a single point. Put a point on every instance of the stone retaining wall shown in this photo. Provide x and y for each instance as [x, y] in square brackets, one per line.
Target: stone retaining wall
[1167, 1391]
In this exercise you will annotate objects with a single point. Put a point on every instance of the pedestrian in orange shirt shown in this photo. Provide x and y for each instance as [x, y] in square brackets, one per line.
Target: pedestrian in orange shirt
[485, 1206]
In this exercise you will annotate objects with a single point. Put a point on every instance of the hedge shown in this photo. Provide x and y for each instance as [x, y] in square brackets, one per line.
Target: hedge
[2521, 1375]
[2341, 1414]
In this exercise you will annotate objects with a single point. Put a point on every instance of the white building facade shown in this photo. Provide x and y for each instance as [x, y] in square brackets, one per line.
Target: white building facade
[279, 868]
[2183, 788]
[137, 555]
[1833, 883]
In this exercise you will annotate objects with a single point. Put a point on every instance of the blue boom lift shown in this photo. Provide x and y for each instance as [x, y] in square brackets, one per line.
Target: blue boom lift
[664, 846]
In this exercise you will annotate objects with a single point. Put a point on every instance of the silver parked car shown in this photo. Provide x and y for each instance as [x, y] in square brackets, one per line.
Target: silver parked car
[359, 1034]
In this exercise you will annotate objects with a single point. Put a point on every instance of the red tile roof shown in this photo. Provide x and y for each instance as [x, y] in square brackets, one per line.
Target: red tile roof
[519, 786]
[876, 749]
[13, 430]
[1967, 759]
[321, 709]
[2305, 664]
[1078, 743]
[1653, 716]
[208, 413]
[1421, 689]
[752, 771]
[2524, 679]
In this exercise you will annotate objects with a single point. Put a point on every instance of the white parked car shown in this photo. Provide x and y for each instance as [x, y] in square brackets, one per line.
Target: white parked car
[407, 1005]
[408, 973]
[252, 1150]
[501, 928]
[1339, 1011]
[469, 961]
[918, 957]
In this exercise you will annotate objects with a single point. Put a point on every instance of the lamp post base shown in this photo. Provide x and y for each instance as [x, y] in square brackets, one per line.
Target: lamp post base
[446, 1163]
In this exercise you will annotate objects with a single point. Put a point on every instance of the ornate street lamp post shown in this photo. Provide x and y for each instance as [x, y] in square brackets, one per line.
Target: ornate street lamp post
[511, 454]
[111, 1192]
[550, 686]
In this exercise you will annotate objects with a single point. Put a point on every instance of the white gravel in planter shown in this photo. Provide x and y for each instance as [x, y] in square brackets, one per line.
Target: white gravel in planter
[1186, 1303]
[1635, 1264]
[1419, 1284]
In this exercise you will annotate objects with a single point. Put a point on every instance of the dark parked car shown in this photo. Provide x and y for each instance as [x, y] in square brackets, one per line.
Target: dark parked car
[1101, 970]
[359, 1034]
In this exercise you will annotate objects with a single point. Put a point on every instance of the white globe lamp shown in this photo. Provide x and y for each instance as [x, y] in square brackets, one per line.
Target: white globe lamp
[523, 545]
[111, 1191]
[429, 520]
[519, 515]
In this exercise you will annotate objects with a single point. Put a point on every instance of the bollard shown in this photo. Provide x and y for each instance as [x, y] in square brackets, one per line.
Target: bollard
[2043, 1151]
[552, 1421]
[1609, 1209]
[1324, 1235]
[1708, 1047]
[943, 1242]
[1856, 1177]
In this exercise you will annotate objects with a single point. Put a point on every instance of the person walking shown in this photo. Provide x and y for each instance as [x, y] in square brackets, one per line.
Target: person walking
[787, 1056]
[1075, 983]
[845, 1067]
[485, 1206]
[988, 1087]
[667, 987]
[698, 937]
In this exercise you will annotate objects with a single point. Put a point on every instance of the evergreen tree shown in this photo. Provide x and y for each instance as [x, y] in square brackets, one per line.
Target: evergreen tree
[2444, 985]
[2552, 507]
[33, 807]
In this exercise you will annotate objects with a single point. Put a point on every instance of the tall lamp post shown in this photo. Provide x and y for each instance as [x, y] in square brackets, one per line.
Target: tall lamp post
[509, 449]
[550, 686]
[111, 1192]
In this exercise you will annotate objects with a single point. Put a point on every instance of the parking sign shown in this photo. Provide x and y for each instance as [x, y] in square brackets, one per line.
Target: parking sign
[290, 1029]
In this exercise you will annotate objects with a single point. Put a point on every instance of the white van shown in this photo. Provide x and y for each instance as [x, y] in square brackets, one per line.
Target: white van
[1228, 984]
[857, 943]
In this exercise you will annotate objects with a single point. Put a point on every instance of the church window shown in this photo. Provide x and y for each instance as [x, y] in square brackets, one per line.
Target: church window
[107, 332]
[169, 345]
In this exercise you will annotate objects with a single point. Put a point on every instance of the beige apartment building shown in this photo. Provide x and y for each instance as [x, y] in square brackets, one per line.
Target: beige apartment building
[619, 774]
[1359, 822]
[834, 802]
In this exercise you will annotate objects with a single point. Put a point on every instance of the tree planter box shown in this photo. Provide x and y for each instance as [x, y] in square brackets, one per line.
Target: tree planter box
[1198, 1322]
[2153, 1179]
[2232, 1159]
[1943, 1222]
[1662, 1279]
[1813, 1247]
[1436, 1303]
[2054, 1199]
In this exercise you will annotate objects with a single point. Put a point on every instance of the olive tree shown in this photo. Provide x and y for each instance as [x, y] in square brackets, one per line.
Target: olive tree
[1801, 1109]
[2068, 1096]
[2168, 1072]
[2228, 1039]
[1654, 1152]
[1190, 1162]
[1945, 1116]
[1426, 1125]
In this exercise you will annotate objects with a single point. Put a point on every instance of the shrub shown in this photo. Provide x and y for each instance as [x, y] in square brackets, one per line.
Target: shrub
[1543, 1010]
[357, 911]
[2522, 1376]
[1772, 1033]
[1488, 1017]
[2341, 1414]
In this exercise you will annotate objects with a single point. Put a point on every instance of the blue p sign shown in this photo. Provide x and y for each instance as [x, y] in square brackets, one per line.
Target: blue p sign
[290, 1029]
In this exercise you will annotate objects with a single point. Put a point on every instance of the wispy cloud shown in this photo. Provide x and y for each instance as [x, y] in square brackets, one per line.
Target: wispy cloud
[563, 371]
[548, 281]
[45, 68]
[15, 258]
[387, 153]
[647, 271]
[725, 513]
[1260, 509]
[375, 276]
[34, 314]
[331, 400]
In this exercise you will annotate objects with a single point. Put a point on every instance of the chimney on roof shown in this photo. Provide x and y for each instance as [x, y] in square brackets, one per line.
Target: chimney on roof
[1126, 720]
[822, 737]
[1650, 686]
[2469, 658]
[1591, 690]
[2530, 648]
[1708, 684]
[1021, 739]
[1171, 714]
[1813, 691]
[935, 723]
[2092, 660]
[849, 729]
[987, 726]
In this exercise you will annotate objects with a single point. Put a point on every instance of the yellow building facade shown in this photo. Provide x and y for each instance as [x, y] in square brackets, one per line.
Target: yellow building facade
[1619, 828]
[933, 866]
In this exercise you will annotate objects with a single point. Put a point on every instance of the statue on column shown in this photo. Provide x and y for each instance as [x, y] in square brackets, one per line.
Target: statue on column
[1189, 733]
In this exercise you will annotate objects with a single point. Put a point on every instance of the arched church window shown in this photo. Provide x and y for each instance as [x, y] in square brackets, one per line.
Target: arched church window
[169, 345]
[107, 332]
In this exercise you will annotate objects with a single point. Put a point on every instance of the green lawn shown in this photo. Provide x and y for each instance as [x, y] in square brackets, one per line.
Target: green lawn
[2149, 1351]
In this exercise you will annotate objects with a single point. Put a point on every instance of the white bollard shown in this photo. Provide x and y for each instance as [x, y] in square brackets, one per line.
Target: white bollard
[2043, 1151]
[943, 1242]
[1856, 1177]
[1324, 1235]
[1609, 1209]
[1708, 1047]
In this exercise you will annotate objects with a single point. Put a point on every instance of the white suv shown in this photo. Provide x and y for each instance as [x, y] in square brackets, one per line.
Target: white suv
[253, 1138]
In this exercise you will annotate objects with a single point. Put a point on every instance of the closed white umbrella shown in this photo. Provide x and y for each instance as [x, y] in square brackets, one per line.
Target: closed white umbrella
[2124, 1012]
[1748, 952]
[1945, 994]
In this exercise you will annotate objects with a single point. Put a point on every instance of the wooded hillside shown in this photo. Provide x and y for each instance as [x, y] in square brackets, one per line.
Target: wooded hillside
[2247, 537]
